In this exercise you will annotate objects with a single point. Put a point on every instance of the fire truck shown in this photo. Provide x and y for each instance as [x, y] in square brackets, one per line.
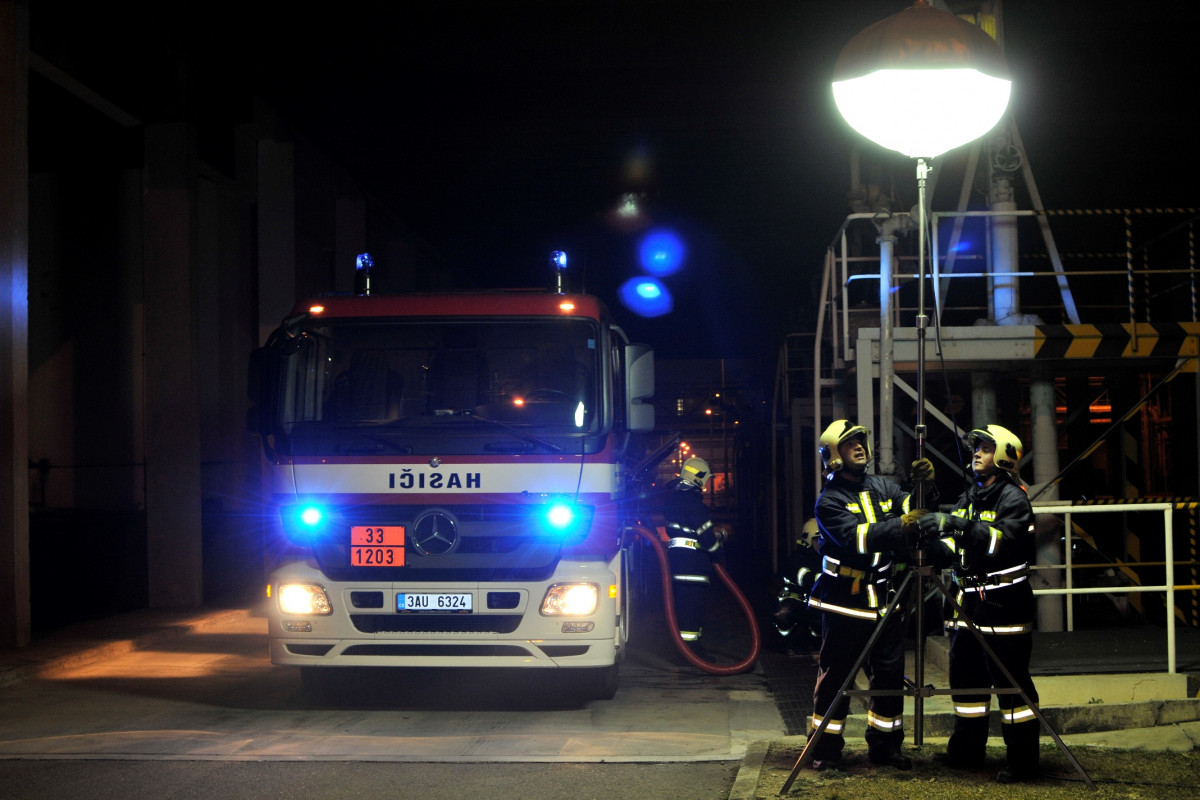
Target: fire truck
[448, 473]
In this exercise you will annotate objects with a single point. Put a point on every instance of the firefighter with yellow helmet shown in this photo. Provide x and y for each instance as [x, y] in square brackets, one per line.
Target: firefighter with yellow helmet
[990, 535]
[797, 629]
[692, 542]
[866, 526]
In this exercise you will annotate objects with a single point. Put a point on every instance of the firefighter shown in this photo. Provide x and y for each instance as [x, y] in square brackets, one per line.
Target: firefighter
[990, 533]
[798, 630]
[692, 543]
[866, 523]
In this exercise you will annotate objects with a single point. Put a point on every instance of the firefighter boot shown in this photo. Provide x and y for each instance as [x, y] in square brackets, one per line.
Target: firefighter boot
[889, 756]
[884, 749]
[1021, 742]
[967, 746]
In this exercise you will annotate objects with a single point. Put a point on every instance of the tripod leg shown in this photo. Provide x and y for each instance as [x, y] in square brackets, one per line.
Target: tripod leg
[806, 753]
[1037, 712]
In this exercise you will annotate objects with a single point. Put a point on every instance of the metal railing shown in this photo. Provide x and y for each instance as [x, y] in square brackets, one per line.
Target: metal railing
[1068, 566]
[1131, 267]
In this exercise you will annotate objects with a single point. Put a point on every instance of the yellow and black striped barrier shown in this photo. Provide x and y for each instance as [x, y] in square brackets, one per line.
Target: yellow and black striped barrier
[1102, 212]
[1179, 503]
[1118, 340]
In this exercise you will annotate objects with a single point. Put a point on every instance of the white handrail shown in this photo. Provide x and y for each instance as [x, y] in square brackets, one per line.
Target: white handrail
[1168, 558]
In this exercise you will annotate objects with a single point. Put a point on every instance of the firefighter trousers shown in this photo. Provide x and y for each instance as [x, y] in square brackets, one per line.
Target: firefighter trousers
[972, 668]
[843, 639]
[691, 571]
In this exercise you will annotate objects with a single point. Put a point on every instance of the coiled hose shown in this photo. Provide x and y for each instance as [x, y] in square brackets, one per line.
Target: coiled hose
[669, 597]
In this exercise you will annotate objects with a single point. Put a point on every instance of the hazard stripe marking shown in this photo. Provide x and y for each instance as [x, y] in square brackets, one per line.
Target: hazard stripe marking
[1117, 340]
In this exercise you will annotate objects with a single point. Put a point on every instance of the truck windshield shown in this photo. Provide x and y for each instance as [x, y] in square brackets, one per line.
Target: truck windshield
[404, 380]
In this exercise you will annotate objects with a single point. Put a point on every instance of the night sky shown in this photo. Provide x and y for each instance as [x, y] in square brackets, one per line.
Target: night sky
[504, 130]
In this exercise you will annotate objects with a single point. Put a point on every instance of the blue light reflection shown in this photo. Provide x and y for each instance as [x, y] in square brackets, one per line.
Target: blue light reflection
[646, 297]
[662, 252]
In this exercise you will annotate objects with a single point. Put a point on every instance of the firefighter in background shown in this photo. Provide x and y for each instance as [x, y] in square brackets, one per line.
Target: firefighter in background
[692, 543]
[799, 630]
[991, 536]
[867, 523]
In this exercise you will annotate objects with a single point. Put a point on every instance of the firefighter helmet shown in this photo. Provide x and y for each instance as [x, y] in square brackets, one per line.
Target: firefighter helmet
[695, 472]
[838, 432]
[808, 533]
[1008, 446]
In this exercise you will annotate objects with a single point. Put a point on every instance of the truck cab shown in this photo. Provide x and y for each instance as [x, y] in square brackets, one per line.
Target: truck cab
[447, 482]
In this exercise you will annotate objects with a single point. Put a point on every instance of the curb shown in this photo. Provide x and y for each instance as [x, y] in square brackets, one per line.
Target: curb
[745, 785]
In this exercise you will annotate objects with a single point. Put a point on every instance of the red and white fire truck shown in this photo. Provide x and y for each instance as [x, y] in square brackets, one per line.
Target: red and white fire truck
[449, 475]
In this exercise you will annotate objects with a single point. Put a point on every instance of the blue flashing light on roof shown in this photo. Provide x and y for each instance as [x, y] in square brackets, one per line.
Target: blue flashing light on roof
[362, 274]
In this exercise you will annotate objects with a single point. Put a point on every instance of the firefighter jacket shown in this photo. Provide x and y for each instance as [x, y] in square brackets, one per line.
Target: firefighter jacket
[860, 527]
[992, 557]
[800, 572]
[689, 523]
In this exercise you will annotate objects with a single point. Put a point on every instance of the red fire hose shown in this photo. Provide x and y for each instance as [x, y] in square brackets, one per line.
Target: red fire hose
[669, 597]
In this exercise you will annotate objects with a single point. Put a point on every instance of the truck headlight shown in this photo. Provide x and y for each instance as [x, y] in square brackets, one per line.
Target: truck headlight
[304, 598]
[570, 599]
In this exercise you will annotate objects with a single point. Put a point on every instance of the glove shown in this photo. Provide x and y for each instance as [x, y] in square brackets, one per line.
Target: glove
[941, 525]
[910, 521]
[921, 471]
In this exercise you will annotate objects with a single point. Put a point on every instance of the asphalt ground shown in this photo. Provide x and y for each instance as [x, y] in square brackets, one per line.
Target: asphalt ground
[1166, 727]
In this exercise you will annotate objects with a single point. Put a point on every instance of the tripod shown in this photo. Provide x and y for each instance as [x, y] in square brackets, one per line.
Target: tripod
[915, 576]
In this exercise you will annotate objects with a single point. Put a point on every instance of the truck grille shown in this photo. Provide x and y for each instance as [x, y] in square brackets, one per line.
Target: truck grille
[436, 623]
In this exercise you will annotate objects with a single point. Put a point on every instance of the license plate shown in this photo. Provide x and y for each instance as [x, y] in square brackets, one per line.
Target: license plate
[446, 603]
[377, 546]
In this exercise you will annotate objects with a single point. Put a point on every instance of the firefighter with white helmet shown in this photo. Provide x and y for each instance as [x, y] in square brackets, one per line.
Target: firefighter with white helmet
[990, 535]
[867, 523]
[693, 541]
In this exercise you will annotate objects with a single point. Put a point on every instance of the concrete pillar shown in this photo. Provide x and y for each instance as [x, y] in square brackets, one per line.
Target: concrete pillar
[983, 400]
[1044, 422]
[173, 481]
[15, 613]
[276, 234]
[1047, 527]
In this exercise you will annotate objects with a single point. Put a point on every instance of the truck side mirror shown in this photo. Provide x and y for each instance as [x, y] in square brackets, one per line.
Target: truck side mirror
[639, 387]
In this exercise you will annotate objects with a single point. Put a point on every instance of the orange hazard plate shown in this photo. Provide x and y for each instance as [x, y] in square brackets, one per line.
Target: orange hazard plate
[377, 546]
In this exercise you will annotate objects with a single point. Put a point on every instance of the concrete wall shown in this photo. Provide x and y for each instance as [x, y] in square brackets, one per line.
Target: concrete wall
[165, 238]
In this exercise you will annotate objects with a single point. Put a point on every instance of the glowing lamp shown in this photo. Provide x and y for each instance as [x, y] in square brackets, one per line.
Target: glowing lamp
[560, 516]
[921, 82]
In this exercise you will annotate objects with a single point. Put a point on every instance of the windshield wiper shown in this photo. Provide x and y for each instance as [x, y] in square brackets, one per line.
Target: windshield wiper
[529, 437]
[350, 439]
[381, 444]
